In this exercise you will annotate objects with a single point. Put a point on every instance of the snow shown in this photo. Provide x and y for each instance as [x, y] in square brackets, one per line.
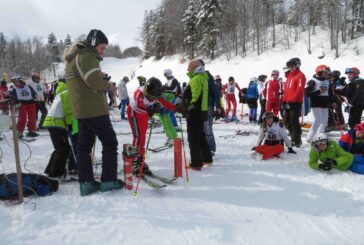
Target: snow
[239, 200]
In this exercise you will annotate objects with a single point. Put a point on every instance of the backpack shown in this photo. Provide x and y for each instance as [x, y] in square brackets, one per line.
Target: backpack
[39, 184]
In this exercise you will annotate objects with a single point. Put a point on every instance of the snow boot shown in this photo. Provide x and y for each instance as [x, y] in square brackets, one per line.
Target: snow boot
[111, 185]
[87, 188]
[32, 134]
[193, 168]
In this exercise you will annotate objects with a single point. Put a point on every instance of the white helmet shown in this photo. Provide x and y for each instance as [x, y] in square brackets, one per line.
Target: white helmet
[320, 138]
[167, 72]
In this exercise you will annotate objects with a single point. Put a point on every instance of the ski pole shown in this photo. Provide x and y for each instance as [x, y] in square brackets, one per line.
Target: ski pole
[143, 159]
[184, 151]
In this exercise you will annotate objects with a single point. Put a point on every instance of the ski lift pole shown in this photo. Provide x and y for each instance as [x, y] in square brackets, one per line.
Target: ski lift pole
[17, 157]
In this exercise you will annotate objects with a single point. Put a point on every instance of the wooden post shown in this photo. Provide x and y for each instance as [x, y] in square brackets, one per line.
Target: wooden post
[17, 157]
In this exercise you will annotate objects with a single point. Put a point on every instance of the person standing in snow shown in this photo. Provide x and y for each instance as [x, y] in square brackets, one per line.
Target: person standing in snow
[355, 95]
[39, 87]
[25, 95]
[146, 102]
[4, 91]
[123, 96]
[293, 99]
[321, 95]
[86, 88]
[336, 117]
[273, 134]
[229, 91]
[173, 87]
[326, 155]
[252, 96]
[262, 99]
[196, 101]
[272, 91]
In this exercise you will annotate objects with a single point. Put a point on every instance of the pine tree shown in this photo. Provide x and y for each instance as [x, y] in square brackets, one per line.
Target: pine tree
[3, 47]
[53, 48]
[208, 25]
[158, 35]
[67, 41]
[190, 30]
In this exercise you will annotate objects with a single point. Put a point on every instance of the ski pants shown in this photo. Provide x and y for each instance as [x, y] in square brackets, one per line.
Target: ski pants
[41, 106]
[57, 163]
[355, 115]
[269, 151]
[262, 103]
[357, 165]
[253, 104]
[319, 124]
[199, 149]
[272, 105]
[27, 112]
[88, 130]
[336, 117]
[230, 99]
[292, 121]
[139, 125]
[165, 118]
[123, 104]
[208, 129]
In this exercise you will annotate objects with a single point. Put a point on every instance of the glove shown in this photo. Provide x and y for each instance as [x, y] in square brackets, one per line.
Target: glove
[106, 77]
[325, 167]
[287, 106]
[253, 149]
[330, 162]
[290, 150]
[150, 111]
[191, 107]
[347, 109]
[156, 107]
[180, 107]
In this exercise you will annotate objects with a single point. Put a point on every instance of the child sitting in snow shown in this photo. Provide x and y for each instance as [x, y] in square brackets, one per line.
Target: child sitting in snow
[273, 135]
[326, 154]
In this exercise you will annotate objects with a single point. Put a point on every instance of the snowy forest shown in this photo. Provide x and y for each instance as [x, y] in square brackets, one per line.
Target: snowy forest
[19, 56]
[211, 28]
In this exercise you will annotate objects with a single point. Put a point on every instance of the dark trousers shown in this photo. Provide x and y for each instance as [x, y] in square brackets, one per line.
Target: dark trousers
[41, 106]
[88, 129]
[355, 115]
[292, 122]
[57, 163]
[199, 149]
[263, 104]
[336, 117]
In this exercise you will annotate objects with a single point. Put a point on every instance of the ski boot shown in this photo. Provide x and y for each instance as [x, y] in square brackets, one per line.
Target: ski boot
[32, 134]
[87, 188]
[111, 185]
[137, 166]
[233, 119]
[169, 142]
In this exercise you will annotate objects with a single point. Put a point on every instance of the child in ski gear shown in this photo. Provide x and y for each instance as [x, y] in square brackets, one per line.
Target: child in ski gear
[173, 87]
[146, 102]
[262, 99]
[196, 101]
[353, 141]
[39, 87]
[336, 117]
[229, 90]
[123, 96]
[25, 95]
[272, 92]
[273, 135]
[326, 154]
[355, 95]
[86, 88]
[165, 118]
[321, 95]
[59, 123]
[252, 99]
[293, 99]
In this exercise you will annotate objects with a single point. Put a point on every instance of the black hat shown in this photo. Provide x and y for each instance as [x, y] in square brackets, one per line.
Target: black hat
[154, 87]
[96, 37]
[231, 79]
[294, 61]
[262, 77]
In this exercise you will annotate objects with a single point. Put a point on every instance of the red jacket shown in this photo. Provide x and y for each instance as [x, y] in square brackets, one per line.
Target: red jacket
[273, 90]
[294, 87]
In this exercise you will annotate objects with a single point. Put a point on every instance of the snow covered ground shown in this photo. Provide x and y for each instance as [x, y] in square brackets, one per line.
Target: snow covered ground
[238, 200]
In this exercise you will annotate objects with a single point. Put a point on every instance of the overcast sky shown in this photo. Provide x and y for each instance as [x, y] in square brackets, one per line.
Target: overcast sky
[120, 20]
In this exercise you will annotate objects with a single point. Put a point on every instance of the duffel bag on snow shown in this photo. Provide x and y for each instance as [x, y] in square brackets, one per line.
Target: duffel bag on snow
[32, 184]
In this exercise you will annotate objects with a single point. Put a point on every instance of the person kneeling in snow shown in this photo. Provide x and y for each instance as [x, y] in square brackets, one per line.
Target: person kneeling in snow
[353, 141]
[326, 154]
[274, 135]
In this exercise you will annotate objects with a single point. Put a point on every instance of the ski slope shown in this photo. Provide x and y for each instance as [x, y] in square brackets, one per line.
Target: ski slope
[239, 200]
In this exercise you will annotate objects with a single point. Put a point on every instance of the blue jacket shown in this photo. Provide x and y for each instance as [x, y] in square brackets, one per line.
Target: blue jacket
[252, 92]
[347, 142]
[214, 93]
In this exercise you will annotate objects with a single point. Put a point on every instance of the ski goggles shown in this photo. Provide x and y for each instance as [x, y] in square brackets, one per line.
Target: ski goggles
[320, 142]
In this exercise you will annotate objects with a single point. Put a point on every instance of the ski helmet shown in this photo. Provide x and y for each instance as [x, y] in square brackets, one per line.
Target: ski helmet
[231, 79]
[322, 68]
[353, 70]
[275, 72]
[217, 77]
[320, 138]
[262, 78]
[167, 72]
[335, 74]
[125, 79]
[154, 88]
[294, 61]
[268, 115]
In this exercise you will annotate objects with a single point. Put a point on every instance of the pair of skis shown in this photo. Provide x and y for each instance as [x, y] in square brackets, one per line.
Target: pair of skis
[239, 133]
[149, 180]
[161, 148]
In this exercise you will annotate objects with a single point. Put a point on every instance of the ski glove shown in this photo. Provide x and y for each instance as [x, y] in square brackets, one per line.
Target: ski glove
[180, 107]
[325, 167]
[153, 109]
[290, 150]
